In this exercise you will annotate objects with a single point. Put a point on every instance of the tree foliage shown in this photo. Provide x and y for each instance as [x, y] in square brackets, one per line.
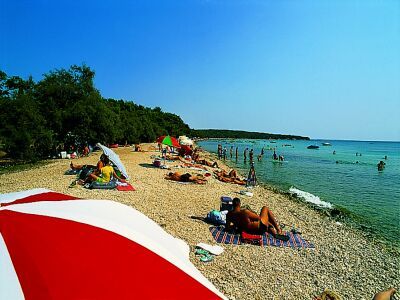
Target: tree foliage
[36, 118]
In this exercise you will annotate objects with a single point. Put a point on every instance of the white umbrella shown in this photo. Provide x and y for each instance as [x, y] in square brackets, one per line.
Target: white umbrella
[114, 158]
[184, 140]
[54, 246]
[187, 142]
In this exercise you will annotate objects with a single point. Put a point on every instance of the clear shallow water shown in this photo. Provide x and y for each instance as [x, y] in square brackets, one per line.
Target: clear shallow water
[372, 198]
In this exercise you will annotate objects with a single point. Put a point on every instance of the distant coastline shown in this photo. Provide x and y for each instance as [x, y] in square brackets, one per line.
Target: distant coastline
[240, 134]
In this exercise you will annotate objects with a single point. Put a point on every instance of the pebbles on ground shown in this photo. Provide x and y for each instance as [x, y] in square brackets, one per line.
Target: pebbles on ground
[344, 260]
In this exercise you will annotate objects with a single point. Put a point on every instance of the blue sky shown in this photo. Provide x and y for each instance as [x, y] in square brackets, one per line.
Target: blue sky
[324, 69]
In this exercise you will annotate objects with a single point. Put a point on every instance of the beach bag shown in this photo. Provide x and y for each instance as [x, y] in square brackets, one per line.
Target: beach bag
[217, 217]
[226, 203]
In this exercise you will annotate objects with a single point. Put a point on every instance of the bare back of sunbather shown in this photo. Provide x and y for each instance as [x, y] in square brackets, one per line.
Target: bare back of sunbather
[246, 220]
[186, 178]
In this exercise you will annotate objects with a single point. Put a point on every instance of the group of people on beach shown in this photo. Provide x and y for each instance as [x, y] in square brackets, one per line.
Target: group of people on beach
[195, 160]
[247, 153]
[239, 219]
[231, 177]
[103, 172]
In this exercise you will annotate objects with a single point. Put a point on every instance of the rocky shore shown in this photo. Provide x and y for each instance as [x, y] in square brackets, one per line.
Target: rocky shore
[344, 260]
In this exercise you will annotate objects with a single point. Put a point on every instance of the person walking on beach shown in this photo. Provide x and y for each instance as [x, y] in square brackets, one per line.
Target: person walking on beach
[240, 219]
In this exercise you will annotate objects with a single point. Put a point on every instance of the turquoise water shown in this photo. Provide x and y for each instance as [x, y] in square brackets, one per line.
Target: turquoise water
[354, 184]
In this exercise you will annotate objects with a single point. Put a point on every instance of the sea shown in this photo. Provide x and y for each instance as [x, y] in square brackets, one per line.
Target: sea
[342, 175]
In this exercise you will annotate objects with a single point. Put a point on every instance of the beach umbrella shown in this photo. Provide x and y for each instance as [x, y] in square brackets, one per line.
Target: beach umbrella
[183, 140]
[186, 142]
[55, 246]
[169, 141]
[114, 158]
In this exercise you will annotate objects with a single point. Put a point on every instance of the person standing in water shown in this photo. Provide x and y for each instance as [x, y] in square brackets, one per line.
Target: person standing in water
[274, 156]
[231, 152]
[236, 152]
[219, 151]
[224, 153]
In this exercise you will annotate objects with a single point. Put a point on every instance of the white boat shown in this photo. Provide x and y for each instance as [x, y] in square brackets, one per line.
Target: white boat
[326, 144]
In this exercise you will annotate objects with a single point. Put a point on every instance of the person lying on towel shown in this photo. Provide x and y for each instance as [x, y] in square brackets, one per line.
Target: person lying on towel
[245, 220]
[231, 177]
[186, 177]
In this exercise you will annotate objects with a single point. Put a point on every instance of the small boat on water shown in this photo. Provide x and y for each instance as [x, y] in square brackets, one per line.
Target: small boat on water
[326, 144]
[313, 147]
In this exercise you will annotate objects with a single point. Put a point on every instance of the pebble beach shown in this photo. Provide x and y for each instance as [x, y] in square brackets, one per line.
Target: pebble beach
[345, 260]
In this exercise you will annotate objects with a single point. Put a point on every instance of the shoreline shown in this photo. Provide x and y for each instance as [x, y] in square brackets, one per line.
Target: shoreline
[344, 260]
[336, 212]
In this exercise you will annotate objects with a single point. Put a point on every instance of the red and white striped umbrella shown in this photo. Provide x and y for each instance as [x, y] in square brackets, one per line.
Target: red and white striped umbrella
[54, 246]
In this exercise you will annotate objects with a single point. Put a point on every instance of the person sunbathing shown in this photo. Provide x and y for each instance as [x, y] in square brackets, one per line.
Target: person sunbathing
[232, 180]
[191, 165]
[248, 221]
[97, 167]
[206, 162]
[385, 295]
[231, 177]
[231, 174]
[187, 177]
[106, 173]
[175, 157]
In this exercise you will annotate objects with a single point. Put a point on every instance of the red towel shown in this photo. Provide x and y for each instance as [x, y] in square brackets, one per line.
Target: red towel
[254, 239]
[127, 187]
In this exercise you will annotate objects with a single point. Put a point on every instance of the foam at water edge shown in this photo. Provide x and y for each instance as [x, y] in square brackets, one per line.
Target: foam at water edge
[308, 197]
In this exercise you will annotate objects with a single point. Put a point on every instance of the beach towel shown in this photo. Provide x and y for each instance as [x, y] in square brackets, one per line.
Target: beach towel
[295, 240]
[125, 186]
[72, 172]
[101, 186]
